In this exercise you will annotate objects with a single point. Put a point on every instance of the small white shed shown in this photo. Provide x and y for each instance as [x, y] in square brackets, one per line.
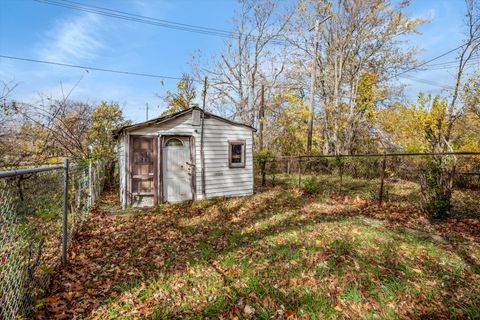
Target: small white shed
[160, 160]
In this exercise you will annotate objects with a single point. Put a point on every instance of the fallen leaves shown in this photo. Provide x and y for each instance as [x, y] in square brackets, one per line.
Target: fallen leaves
[277, 253]
[248, 311]
[418, 271]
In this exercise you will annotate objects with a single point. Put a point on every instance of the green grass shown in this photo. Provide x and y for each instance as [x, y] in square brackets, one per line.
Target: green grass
[400, 192]
[276, 254]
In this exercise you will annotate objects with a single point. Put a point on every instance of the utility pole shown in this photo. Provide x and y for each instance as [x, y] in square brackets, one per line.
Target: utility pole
[312, 83]
[312, 88]
[261, 116]
[202, 151]
[146, 109]
[65, 214]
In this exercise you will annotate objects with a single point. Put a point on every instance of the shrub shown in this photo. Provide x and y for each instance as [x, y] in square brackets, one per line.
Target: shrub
[311, 185]
[437, 185]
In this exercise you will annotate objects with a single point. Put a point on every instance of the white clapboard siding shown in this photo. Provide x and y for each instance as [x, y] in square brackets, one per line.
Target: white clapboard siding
[216, 175]
[236, 193]
[220, 179]
[227, 187]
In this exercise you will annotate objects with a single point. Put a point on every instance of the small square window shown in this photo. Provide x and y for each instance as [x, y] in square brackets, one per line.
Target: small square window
[236, 154]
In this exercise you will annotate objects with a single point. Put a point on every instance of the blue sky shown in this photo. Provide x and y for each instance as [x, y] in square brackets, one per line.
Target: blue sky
[39, 31]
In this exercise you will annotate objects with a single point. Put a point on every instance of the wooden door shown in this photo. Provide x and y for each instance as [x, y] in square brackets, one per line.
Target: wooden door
[177, 170]
[143, 164]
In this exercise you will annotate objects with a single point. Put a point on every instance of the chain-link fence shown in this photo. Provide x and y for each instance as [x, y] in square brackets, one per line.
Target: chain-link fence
[395, 178]
[40, 211]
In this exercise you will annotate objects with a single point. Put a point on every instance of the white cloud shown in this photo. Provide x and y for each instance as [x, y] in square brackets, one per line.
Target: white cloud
[76, 39]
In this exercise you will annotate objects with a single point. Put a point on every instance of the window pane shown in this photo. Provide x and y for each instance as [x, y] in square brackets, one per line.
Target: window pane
[174, 143]
[236, 153]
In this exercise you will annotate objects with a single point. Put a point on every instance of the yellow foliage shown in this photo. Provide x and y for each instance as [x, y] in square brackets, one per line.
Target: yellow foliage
[415, 128]
[105, 118]
[288, 129]
[368, 92]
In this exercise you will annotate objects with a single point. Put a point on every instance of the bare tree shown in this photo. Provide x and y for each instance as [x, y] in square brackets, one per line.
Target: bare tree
[254, 56]
[51, 128]
[48, 129]
[361, 37]
[471, 94]
[438, 177]
[7, 125]
[58, 128]
[469, 50]
[6, 89]
[459, 101]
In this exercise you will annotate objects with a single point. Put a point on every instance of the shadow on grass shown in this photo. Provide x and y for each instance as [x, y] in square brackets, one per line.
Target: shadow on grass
[161, 244]
[465, 202]
[384, 277]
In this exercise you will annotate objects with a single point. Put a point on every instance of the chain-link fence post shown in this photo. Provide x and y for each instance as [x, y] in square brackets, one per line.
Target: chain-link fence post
[382, 179]
[91, 184]
[39, 218]
[263, 165]
[299, 172]
[65, 214]
[340, 171]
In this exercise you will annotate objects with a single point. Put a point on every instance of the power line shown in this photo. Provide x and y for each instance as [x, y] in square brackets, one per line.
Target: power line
[131, 73]
[149, 20]
[228, 32]
[145, 17]
[150, 75]
[190, 27]
[131, 17]
[449, 63]
[449, 66]
[431, 60]
[429, 82]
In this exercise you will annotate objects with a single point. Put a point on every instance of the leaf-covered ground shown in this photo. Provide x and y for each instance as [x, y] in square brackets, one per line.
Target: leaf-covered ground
[279, 254]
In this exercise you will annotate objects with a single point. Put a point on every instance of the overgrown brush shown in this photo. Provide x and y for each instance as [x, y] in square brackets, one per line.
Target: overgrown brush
[311, 185]
[437, 186]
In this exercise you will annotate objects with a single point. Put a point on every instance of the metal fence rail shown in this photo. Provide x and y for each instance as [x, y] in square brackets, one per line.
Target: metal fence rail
[40, 211]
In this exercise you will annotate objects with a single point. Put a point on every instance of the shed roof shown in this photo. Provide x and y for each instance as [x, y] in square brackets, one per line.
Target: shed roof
[175, 115]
